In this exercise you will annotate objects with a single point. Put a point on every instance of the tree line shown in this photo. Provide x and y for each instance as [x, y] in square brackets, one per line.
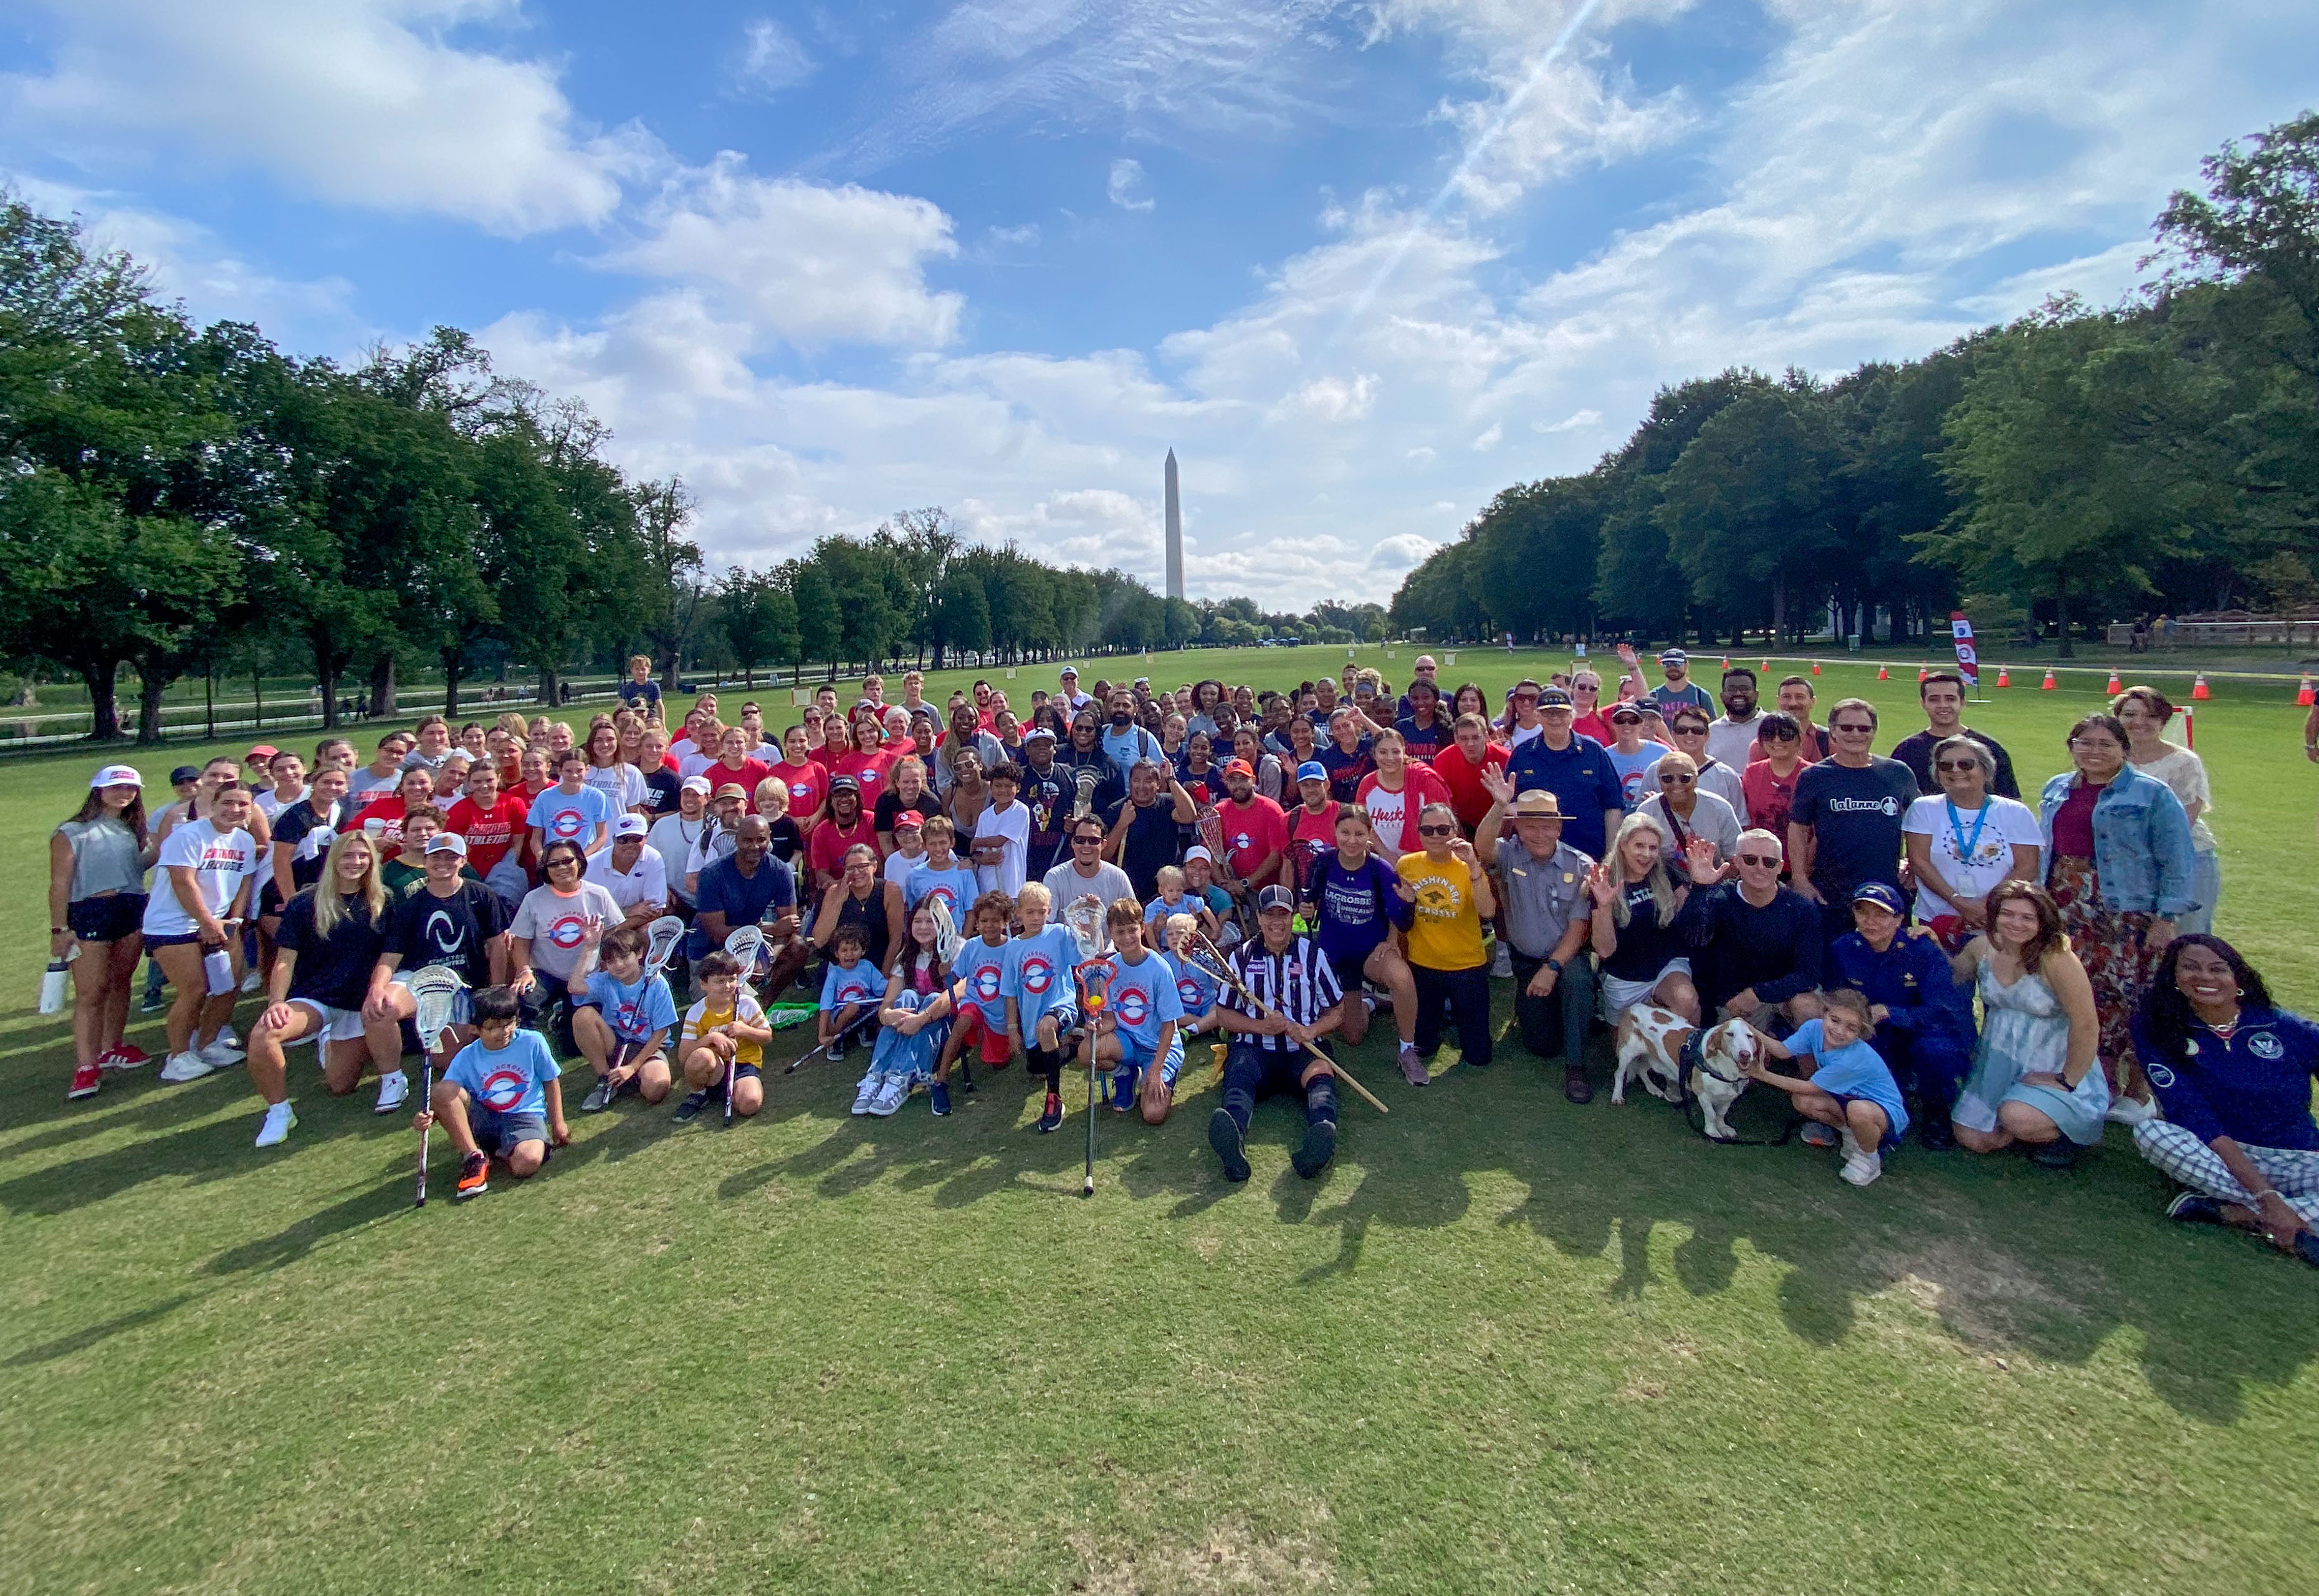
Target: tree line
[2075, 464]
[179, 500]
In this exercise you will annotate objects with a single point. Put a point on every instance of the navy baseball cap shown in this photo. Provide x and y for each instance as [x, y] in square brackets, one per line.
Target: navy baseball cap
[1883, 896]
[1275, 897]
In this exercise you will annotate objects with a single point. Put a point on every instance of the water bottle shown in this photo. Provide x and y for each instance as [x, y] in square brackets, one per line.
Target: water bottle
[219, 970]
[52, 986]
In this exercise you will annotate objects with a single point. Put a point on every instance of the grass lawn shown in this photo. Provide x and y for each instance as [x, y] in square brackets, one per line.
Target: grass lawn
[1504, 1344]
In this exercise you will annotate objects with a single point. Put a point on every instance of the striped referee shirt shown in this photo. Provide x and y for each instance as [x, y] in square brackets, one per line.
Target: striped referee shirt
[1298, 981]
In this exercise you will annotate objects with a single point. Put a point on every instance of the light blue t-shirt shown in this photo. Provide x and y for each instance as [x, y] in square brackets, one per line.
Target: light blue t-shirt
[955, 885]
[858, 985]
[1195, 990]
[512, 1080]
[1156, 912]
[1039, 976]
[1636, 782]
[1142, 996]
[1129, 748]
[634, 1013]
[981, 972]
[564, 816]
[1855, 1071]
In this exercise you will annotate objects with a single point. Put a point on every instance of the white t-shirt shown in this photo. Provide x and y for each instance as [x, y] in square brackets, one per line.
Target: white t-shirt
[2010, 822]
[271, 807]
[622, 784]
[899, 866]
[1012, 824]
[218, 860]
[1733, 742]
[647, 882]
[555, 925]
[1722, 779]
[689, 765]
[1067, 886]
[2186, 773]
[672, 837]
[1522, 734]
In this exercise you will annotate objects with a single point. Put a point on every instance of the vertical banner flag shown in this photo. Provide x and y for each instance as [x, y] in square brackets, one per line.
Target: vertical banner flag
[1968, 662]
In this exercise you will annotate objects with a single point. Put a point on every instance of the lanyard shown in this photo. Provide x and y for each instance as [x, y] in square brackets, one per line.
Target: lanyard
[1965, 845]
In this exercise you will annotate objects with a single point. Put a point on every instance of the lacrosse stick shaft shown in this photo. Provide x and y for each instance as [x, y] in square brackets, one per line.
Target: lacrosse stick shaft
[1223, 971]
[427, 1096]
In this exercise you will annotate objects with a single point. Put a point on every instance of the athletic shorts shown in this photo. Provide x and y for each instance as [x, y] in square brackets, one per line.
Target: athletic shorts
[338, 1024]
[748, 1072]
[462, 1001]
[996, 1046]
[1619, 996]
[106, 919]
[176, 939]
[1139, 1059]
[502, 1133]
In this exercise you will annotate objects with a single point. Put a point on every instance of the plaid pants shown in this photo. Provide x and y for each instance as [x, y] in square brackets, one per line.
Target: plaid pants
[2179, 1153]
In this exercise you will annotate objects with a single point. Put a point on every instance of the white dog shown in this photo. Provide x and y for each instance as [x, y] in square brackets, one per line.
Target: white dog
[1649, 1041]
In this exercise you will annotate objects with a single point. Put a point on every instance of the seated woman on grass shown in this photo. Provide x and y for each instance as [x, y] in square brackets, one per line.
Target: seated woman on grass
[1847, 1085]
[2036, 1078]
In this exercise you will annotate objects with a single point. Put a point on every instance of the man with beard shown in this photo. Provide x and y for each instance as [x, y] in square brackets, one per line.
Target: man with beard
[1731, 736]
[1125, 744]
[1085, 752]
[1256, 835]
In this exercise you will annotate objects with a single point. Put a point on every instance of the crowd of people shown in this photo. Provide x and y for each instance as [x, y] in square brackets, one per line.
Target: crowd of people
[1110, 875]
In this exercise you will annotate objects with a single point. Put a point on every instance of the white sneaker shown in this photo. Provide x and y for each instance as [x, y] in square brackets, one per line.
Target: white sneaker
[1850, 1144]
[2126, 1111]
[187, 1066]
[222, 1049]
[249, 982]
[866, 1096]
[1502, 966]
[393, 1092]
[1863, 1169]
[275, 1131]
[891, 1096]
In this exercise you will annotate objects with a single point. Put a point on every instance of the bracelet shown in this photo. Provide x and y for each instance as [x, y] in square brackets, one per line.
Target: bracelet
[2268, 1191]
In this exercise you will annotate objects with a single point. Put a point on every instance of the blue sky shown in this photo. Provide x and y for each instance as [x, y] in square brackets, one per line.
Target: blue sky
[1361, 264]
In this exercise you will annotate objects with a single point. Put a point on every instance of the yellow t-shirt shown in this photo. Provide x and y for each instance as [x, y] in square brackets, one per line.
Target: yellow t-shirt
[698, 1022]
[1447, 933]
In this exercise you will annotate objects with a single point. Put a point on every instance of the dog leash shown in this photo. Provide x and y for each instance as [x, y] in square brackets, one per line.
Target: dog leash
[1685, 1098]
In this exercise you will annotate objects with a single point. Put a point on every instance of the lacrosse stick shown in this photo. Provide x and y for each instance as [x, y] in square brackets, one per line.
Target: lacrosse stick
[427, 1094]
[1086, 778]
[1209, 822]
[1092, 975]
[948, 942]
[748, 944]
[434, 993]
[666, 934]
[1203, 955]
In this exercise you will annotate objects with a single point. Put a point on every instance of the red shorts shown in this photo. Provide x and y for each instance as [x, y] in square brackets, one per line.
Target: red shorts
[996, 1046]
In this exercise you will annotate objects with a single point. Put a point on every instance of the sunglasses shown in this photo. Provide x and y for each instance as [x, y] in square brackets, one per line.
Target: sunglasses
[1437, 830]
[1676, 778]
[1783, 737]
[1087, 841]
[1762, 860]
[1956, 764]
[1852, 729]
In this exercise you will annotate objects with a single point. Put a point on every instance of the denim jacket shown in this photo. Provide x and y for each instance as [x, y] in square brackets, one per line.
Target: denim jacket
[2142, 842]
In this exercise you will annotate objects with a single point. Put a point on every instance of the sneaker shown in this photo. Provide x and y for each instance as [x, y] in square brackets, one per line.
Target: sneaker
[938, 1096]
[1575, 1085]
[393, 1092]
[599, 1099]
[2306, 1246]
[1502, 968]
[1413, 1067]
[1850, 1144]
[1935, 1132]
[1368, 1002]
[1818, 1135]
[2196, 1208]
[187, 1066]
[152, 1003]
[836, 1049]
[1320, 1146]
[130, 1056]
[249, 982]
[2060, 1153]
[690, 1109]
[474, 1177]
[275, 1131]
[1225, 1136]
[865, 1096]
[222, 1049]
[85, 1082]
[1862, 1170]
[2128, 1111]
[1119, 1091]
[889, 1099]
[1050, 1117]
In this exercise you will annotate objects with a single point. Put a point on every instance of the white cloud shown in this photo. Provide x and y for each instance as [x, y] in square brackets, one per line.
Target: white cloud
[360, 102]
[773, 60]
[803, 263]
[1404, 551]
[1127, 187]
[1490, 438]
[1575, 421]
[1330, 400]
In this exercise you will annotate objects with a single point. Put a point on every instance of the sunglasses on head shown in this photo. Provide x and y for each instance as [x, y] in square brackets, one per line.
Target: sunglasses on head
[1764, 860]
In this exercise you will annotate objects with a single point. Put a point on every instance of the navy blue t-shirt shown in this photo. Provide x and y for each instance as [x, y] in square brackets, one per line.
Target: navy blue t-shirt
[1581, 780]
[1357, 908]
[1855, 815]
[1424, 740]
[743, 899]
[1346, 770]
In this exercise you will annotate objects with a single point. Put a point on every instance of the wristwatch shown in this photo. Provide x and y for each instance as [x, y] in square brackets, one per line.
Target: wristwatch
[1554, 965]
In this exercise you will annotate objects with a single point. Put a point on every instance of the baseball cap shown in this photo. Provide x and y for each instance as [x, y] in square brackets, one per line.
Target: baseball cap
[699, 784]
[119, 776]
[1625, 711]
[262, 751]
[185, 773]
[1673, 656]
[1239, 767]
[1070, 671]
[1883, 896]
[1312, 769]
[1554, 697]
[451, 842]
[630, 825]
[732, 789]
[1537, 803]
[1275, 897]
[1198, 851]
[844, 784]
[1037, 731]
[909, 818]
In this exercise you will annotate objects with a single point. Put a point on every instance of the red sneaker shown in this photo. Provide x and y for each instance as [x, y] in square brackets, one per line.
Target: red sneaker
[85, 1081]
[474, 1177]
[128, 1055]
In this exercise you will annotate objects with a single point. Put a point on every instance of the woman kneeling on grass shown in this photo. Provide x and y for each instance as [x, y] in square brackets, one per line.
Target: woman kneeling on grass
[2037, 1078]
[500, 1098]
[1848, 1087]
[2233, 1074]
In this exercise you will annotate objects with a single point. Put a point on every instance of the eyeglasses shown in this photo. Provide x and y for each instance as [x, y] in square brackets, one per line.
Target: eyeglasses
[1676, 778]
[1956, 764]
[1762, 860]
[1786, 736]
[1437, 830]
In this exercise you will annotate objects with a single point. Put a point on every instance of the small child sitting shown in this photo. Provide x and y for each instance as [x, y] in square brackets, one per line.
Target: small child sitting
[500, 1097]
[849, 992]
[1846, 1084]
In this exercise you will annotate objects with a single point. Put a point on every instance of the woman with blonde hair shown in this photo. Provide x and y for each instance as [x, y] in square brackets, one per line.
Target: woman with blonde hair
[1636, 903]
[330, 938]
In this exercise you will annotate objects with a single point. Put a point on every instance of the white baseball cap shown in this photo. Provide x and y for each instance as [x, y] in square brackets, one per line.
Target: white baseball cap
[448, 841]
[630, 825]
[699, 784]
[117, 776]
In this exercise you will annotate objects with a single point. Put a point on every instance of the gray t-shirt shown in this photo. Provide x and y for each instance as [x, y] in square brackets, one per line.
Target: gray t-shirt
[1542, 897]
[1733, 742]
[1067, 886]
[105, 857]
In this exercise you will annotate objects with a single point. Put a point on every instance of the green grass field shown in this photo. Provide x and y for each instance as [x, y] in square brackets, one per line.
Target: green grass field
[1504, 1345]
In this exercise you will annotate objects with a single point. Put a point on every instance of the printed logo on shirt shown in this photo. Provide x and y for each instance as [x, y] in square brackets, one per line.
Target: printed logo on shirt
[1134, 1006]
[628, 1019]
[986, 985]
[1038, 975]
[566, 825]
[1887, 806]
[2159, 1075]
[800, 790]
[1191, 994]
[567, 932]
[442, 929]
[2264, 1045]
[503, 1088]
[854, 992]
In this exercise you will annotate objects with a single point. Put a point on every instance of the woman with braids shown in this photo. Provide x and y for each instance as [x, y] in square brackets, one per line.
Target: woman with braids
[2235, 1073]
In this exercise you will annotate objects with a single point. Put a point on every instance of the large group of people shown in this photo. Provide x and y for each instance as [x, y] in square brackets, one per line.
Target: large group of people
[1109, 875]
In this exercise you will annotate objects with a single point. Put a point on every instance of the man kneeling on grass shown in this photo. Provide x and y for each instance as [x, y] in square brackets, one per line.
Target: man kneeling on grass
[500, 1097]
[1275, 1045]
[1849, 1088]
[1135, 1029]
[725, 1031]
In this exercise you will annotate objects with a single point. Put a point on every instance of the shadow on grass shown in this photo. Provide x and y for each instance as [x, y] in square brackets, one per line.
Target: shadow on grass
[81, 1341]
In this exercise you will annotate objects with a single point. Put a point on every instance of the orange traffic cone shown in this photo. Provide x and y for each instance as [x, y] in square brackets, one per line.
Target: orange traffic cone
[2304, 695]
[1764, 669]
[1882, 674]
[1921, 673]
[2004, 676]
[2116, 686]
[2049, 681]
[1815, 667]
[2198, 689]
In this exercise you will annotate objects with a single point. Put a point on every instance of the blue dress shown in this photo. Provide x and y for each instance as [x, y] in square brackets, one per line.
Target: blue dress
[2024, 1031]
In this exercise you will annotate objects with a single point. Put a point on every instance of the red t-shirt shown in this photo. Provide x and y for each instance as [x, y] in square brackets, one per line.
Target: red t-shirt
[1463, 778]
[1393, 816]
[747, 777]
[1253, 832]
[808, 785]
[490, 833]
[868, 769]
[2073, 823]
[826, 852]
[1593, 725]
[1768, 798]
[1311, 839]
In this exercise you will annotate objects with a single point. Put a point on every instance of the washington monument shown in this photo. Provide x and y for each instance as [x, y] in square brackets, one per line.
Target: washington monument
[1174, 533]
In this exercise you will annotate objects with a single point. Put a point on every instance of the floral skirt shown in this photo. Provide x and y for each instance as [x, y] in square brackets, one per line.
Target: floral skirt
[2113, 946]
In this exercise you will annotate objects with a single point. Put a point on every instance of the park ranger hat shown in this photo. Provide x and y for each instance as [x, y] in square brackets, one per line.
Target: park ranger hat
[1537, 803]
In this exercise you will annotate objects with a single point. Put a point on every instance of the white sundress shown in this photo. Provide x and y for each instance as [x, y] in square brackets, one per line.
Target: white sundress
[2025, 1031]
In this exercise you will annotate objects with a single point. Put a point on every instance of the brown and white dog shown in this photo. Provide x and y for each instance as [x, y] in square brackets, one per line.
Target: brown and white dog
[1649, 1041]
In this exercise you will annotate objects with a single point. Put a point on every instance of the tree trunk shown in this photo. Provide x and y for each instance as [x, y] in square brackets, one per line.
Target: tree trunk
[330, 684]
[104, 724]
[549, 687]
[2062, 614]
[453, 671]
[668, 676]
[150, 694]
[1779, 601]
[382, 686]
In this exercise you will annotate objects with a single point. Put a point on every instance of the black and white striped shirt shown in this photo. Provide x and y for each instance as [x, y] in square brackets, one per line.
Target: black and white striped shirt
[1298, 981]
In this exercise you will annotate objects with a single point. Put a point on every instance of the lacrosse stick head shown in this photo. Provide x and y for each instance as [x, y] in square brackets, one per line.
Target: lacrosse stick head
[1210, 824]
[664, 937]
[748, 944]
[1095, 978]
[434, 994]
[947, 941]
[1087, 778]
[1085, 920]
